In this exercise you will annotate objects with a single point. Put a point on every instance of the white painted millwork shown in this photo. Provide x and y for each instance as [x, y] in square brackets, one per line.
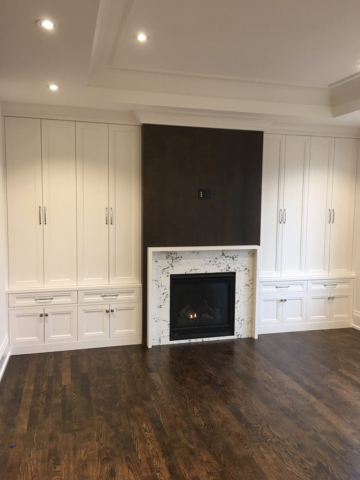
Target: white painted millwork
[319, 212]
[60, 324]
[272, 205]
[124, 206]
[92, 158]
[124, 320]
[294, 205]
[59, 202]
[310, 183]
[94, 322]
[343, 206]
[26, 326]
[24, 195]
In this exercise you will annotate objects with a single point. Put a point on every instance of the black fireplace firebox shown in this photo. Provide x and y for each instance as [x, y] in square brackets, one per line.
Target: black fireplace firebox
[202, 305]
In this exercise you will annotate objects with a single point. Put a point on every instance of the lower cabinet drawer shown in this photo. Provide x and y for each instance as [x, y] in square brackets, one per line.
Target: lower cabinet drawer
[41, 298]
[282, 287]
[330, 285]
[103, 296]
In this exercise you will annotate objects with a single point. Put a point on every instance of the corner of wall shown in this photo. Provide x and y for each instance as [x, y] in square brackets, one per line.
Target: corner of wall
[4, 339]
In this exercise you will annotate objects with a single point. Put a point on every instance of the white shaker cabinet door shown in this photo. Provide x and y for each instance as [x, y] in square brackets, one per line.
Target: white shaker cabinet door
[93, 322]
[92, 161]
[125, 320]
[60, 324]
[26, 327]
[59, 186]
[271, 208]
[293, 241]
[24, 196]
[124, 213]
[319, 206]
[343, 204]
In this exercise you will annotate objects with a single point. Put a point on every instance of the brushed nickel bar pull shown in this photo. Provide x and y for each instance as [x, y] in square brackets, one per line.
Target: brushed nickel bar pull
[40, 215]
[330, 284]
[107, 295]
[44, 299]
[285, 216]
[106, 216]
[111, 216]
[285, 286]
[280, 215]
[329, 215]
[44, 215]
[333, 215]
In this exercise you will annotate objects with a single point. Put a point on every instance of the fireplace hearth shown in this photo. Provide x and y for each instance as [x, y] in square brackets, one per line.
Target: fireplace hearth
[202, 305]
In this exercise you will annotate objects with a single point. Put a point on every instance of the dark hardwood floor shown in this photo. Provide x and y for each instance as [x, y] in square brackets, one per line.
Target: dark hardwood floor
[284, 407]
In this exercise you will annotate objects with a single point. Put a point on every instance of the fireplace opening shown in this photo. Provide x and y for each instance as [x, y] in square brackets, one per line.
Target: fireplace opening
[202, 305]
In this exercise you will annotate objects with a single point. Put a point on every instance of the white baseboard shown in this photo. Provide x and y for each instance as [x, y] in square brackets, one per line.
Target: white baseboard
[60, 347]
[303, 327]
[4, 352]
[356, 327]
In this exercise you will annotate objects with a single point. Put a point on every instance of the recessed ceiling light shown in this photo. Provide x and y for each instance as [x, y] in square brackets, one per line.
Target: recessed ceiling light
[53, 87]
[142, 37]
[48, 24]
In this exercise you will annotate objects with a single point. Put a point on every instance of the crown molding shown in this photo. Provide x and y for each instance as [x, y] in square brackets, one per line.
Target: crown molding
[56, 112]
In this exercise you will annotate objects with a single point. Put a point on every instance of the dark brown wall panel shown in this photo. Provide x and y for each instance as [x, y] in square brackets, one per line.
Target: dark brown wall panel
[177, 162]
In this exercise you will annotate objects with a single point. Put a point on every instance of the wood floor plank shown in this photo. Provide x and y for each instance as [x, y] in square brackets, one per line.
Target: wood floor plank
[284, 407]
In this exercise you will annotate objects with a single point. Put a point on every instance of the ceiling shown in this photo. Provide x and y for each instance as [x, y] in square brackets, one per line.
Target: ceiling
[280, 57]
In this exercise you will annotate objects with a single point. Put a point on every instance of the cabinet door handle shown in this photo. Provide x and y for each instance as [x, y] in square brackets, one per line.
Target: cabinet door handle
[41, 315]
[44, 215]
[107, 311]
[330, 284]
[40, 215]
[111, 216]
[285, 216]
[112, 310]
[107, 295]
[106, 217]
[280, 215]
[285, 286]
[333, 220]
[329, 215]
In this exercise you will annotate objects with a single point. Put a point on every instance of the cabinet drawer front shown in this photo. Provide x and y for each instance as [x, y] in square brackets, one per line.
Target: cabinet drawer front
[41, 298]
[106, 296]
[327, 285]
[282, 287]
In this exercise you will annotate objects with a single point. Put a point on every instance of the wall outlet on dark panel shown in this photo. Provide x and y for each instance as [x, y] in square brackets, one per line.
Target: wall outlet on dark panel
[204, 194]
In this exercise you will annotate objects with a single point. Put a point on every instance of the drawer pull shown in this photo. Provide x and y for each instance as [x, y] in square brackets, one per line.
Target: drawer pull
[44, 299]
[108, 295]
[282, 286]
[330, 284]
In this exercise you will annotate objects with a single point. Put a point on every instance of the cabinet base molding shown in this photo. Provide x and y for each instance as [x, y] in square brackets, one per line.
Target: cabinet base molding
[60, 347]
[306, 327]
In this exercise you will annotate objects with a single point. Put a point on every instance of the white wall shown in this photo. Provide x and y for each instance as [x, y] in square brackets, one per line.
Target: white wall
[356, 258]
[3, 245]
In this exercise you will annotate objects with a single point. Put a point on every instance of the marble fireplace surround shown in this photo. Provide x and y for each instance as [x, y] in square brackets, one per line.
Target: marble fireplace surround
[165, 261]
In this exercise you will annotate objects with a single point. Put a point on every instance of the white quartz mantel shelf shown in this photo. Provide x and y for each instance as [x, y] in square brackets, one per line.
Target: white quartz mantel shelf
[165, 261]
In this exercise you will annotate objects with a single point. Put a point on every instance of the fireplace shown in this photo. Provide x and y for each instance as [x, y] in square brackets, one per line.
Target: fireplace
[202, 305]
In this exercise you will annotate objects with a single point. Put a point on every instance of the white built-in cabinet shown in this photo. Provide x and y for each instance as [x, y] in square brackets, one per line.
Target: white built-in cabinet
[308, 200]
[73, 191]
[73, 205]
[307, 206]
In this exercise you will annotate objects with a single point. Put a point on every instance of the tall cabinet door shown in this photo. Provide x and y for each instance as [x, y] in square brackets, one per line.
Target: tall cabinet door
[343, 204]
[24, 194]
[293, 241]
[319, 206]
[271, 226]
[92, 203]
[124, 215]
[59, 189]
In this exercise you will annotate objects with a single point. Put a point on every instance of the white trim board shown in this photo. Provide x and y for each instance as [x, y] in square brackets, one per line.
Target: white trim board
[4, 352]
